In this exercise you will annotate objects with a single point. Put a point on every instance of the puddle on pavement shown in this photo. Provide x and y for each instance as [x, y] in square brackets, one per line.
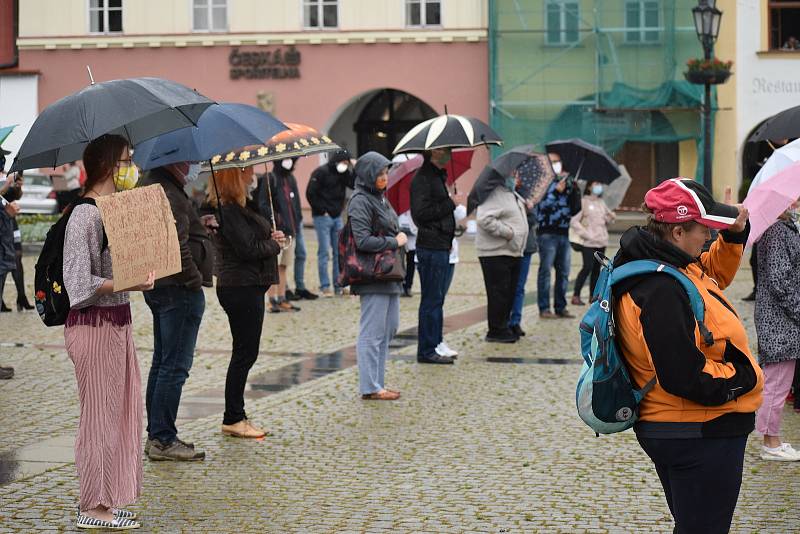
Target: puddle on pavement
[544, 361]
[36, 458]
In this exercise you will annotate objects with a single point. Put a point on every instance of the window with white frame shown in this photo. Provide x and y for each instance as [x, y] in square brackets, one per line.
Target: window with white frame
[105, 16]
[321, 14]
[210, 15]
[423, 13]
[642, 21]
[562, 22]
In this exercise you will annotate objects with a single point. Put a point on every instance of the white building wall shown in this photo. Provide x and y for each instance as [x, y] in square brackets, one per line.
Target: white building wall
[18, 105]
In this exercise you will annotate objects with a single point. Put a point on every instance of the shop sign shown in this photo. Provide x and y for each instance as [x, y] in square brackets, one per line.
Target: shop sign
[262, 64]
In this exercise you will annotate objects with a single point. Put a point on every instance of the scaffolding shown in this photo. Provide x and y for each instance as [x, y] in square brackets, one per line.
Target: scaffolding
[607, 71]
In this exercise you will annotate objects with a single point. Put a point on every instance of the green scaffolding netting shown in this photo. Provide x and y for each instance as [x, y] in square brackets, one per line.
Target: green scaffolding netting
[607, 71]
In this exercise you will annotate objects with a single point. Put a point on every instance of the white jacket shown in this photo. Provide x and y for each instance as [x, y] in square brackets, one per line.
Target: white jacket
[502, 224]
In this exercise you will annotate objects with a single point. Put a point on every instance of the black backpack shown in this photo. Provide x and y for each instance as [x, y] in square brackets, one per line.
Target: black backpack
[52, 301]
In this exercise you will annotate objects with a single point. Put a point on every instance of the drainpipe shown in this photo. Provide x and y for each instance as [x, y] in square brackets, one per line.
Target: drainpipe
[15, 18]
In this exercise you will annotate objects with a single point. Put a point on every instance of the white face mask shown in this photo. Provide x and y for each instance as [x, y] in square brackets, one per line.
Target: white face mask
[597, 190]
[341, 167]
[252, 185]
[192, 173]
[287, 164]
[557, 167]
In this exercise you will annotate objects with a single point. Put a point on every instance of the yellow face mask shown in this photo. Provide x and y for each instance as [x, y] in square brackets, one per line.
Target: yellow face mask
[126, 177]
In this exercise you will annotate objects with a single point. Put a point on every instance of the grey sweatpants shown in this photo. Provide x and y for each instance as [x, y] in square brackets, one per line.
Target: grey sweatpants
[380, 317]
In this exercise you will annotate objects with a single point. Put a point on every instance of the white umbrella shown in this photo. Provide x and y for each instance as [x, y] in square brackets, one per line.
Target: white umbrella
[779, 160]
[615, 191]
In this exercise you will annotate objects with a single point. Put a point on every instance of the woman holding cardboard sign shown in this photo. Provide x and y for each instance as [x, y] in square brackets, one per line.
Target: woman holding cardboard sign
[247, 264]
[98, 338]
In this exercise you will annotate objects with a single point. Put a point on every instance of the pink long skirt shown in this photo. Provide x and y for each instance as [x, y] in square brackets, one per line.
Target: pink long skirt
[108, 453]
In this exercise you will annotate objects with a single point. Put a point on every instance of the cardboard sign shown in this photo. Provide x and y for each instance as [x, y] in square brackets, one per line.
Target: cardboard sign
[141, 235]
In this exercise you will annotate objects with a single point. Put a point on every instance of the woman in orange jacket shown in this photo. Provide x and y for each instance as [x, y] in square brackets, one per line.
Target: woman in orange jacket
[694, 423]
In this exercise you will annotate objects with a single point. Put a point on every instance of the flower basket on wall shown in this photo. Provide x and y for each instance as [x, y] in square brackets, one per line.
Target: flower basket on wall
[711, 71]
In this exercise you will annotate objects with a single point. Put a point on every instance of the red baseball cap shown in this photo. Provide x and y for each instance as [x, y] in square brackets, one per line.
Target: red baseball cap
[680, 200]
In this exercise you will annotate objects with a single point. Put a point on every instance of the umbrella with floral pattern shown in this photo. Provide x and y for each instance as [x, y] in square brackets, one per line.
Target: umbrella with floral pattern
[298, 140]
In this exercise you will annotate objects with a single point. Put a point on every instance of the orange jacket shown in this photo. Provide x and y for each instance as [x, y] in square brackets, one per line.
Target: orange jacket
[700, 390]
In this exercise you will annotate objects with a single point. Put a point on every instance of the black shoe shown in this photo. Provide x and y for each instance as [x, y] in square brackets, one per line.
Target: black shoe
[292, 296]
[6, 373]
[751, 297]
[4, 308]
[305, 294]
[516, 330]
[23, 304]
[502, 337]
[435, 358]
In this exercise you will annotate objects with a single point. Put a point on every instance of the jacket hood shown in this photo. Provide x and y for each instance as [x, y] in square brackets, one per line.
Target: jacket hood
[367, 169]
[639, 244]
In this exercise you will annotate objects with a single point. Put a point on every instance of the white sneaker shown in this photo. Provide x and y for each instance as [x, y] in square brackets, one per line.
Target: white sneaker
[784, 453]
[443, 350]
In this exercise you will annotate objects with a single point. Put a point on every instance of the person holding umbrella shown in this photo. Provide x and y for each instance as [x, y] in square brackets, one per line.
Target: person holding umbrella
[177, 304]
[247, 264]
[554, 214]
[98, 338]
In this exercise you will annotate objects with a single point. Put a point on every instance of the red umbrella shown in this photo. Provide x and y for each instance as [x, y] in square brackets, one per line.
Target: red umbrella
[399, 189]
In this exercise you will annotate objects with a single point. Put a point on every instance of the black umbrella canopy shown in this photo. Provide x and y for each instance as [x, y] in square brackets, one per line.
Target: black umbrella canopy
[135, 108]
[447, 131]
[784, 125]
[585, 161]
[508, 161]
[488, 180]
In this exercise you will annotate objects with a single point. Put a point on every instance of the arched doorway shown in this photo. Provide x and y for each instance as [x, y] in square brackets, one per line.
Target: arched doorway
[377, 120]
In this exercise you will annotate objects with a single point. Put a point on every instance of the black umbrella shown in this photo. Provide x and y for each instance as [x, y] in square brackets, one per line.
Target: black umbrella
[488, 180]
[585, 160]
[136, 108]
[784, 125]
[447, 131]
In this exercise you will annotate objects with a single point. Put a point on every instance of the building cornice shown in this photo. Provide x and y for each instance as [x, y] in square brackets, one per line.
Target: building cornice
[247, 39]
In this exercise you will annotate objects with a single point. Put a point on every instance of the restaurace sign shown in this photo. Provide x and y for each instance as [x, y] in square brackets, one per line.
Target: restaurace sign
[262, 64]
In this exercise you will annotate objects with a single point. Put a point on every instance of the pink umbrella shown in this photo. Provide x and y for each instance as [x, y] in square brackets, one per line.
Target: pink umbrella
[771, 198]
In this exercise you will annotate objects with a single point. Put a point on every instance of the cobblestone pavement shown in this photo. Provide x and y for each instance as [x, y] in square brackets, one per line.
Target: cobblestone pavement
[476, 447]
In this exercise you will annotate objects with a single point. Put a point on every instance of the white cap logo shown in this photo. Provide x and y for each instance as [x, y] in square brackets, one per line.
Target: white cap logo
[683, 211]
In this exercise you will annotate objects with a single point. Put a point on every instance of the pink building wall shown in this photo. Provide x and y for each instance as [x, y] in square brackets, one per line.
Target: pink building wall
[452, 74]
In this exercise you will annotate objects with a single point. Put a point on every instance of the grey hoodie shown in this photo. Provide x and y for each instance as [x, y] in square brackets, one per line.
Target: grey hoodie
[372, 218]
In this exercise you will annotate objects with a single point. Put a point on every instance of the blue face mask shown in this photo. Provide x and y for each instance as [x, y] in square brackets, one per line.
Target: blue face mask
[597, 190]
[510, 183]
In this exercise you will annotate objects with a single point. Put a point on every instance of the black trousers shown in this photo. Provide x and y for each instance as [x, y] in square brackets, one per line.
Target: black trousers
[410, 267]
[500, 276]
[754, 264]
[244, 307]
[590, 269]
[701, 480]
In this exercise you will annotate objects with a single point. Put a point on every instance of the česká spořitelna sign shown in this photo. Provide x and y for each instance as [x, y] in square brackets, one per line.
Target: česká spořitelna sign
[262, 64]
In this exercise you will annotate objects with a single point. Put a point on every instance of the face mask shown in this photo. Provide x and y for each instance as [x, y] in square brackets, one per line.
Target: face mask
[192, 173]
[341, 167]
[445, 158]
[252, 185]
[125, 178]
[510, 183]
[597, 190]
[287, 164]
[557, 167]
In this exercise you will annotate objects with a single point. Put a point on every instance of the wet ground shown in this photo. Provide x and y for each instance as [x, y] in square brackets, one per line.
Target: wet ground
[491, 444]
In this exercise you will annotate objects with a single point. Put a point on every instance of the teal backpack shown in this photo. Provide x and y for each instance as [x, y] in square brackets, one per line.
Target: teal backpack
[607, 400]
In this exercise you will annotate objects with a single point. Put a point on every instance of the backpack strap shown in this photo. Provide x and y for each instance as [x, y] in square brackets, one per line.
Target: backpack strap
[639, 267]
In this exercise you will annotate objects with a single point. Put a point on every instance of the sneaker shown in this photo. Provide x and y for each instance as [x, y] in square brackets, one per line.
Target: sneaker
[178, 451]
[443, 350]
[326, 293]
[305, 294]
[118, 523]
[6, 373]
[784, 453]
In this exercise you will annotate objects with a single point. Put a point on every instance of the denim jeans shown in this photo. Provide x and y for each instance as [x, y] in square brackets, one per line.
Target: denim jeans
[434, 270]
[300, 259]
[554, 251]
[177, 313]
[519, 295]
[328, 229]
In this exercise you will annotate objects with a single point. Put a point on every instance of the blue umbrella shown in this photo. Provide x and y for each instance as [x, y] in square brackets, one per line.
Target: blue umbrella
[220, 129]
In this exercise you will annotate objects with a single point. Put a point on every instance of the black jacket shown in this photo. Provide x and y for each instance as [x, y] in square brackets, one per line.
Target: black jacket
[432, 208]
[280, 201]
[196, 253]
[326, 190]
[246, 253]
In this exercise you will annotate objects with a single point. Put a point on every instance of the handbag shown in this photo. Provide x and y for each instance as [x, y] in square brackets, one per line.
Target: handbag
[359, 267]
